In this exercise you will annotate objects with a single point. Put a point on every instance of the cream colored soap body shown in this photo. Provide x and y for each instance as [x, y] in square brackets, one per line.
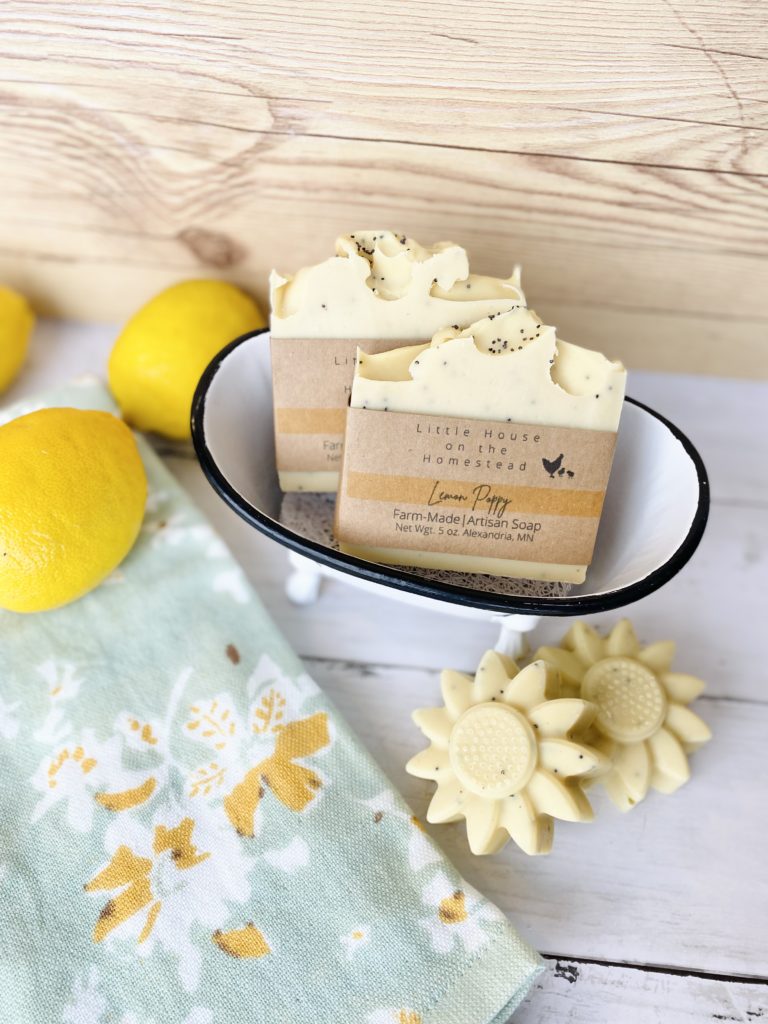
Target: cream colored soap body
[552, 572]
[508, 367]
[508, 755]
[384, 286]
[643, 724]
[381, 286]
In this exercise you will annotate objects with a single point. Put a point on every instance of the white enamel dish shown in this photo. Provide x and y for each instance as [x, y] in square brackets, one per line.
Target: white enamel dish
[654, 516]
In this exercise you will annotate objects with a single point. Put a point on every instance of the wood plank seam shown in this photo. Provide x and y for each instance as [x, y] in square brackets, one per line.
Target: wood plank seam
[559, 959]
[371, 670]
[758, 176]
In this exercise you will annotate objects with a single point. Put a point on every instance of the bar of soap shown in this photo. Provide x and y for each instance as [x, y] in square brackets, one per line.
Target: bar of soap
[530, 377]
[642, 724]
[508, 367]
[507, 754]
[381, 289]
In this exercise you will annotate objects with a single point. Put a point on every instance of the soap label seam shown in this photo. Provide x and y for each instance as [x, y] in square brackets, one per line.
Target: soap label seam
[311, 385]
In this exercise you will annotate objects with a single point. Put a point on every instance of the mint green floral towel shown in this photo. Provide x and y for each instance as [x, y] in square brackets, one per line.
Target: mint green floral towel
[189, 832]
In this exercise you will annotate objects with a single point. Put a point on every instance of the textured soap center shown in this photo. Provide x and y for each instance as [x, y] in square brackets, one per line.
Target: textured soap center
[492, 750]
[631, 702]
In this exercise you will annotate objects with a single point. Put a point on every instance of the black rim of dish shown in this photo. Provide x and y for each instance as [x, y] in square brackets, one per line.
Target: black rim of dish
[400, 579]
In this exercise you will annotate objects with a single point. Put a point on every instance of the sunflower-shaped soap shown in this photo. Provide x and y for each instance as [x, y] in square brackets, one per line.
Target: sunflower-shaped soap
[642, 724]
[507, 754]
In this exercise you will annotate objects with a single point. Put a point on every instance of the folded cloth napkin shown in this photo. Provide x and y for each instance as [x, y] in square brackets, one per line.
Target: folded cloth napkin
[190, 833]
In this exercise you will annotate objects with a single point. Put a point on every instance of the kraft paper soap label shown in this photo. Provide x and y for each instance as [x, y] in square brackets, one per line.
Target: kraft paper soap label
[472, 487]
[312, 382]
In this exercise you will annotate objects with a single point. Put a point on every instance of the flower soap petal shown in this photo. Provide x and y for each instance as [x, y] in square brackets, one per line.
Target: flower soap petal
[562, 716]
[618, 793]
[429, 764]
[564, 758]
[632, 763]
[483, 825]
[568, 664]
[665, 783]
[533, 685]
[456, 689]
[532, 832]
[682, 688]
[585, 642]
[659, 656]
[603, 743]
[669, 757]
[447, 803]
[552, 796]
[622, 640]
[692, 731]
[436, 725]
[493, 676]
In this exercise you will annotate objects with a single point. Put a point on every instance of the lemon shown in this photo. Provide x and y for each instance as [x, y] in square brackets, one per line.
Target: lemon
[72, 494]
[163, 350]
[16, 323]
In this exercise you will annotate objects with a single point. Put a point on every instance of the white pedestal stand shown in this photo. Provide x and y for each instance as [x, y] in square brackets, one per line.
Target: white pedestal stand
[305, 580]
[653, 517]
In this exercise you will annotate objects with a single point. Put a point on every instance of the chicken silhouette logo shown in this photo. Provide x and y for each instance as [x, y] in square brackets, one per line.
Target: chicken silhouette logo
[555, 467]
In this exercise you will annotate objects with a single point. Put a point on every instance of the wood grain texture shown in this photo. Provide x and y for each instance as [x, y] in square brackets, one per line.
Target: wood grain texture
[589, 993]
[667, 82]
[618, 149]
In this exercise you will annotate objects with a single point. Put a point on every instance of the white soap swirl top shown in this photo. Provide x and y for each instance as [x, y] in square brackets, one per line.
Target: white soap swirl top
[382, 285]
[509, 366]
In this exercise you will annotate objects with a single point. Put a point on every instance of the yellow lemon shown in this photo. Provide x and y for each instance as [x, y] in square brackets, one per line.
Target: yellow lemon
[16, 323]
[72, 495]
[163, 350]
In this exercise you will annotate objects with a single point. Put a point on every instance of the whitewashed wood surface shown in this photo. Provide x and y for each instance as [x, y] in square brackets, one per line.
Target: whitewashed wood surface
[660, 915]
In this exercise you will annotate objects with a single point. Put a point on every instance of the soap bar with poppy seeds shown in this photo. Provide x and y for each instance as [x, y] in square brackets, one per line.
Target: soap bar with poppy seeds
[487, 450]
[509, 755]
[380, 290]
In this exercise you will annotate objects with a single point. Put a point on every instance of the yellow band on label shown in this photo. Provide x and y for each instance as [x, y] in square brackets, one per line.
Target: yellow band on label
[310, 421]
[493, 499]
[485, 490]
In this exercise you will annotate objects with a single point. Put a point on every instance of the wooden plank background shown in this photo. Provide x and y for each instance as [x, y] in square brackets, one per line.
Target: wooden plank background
[617, 148]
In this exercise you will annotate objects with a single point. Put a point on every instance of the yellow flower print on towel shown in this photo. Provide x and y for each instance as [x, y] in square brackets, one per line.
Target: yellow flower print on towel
[293, 784]
[86, 772]
[356, 940]
[246, 943]
[386, 807]
[395, 1017]
[457, 915]
[254, 747]
[167, 881]
[131, 874]
[62, 680]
